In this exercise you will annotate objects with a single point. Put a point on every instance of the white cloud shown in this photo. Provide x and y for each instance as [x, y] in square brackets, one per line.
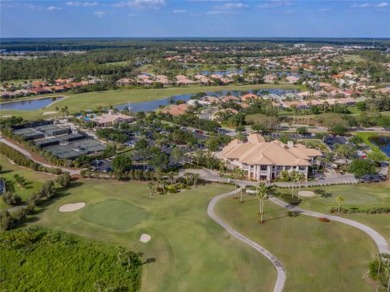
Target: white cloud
[179, 11]
[274, 4]
[100, 13]
[141, 4]
[84, 4]
[383, 4]
[53, 8]
[364, 5]
[233, 6]
[216, 12]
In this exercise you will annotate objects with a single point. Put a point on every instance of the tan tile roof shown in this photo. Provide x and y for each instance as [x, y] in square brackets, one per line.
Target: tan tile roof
[258, 152]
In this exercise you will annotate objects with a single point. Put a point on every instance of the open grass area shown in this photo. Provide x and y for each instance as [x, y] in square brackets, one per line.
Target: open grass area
[114, 214]
[91, 100]
[317, 256]
[43, 260]
[190, 251]
[34, 179]
[358, 195]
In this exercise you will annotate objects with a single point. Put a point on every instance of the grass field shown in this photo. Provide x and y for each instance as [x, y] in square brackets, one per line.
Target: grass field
[34, 179]
[317, 256]
[191, 252]
[114, 214]
[358, 195]
[91, 100]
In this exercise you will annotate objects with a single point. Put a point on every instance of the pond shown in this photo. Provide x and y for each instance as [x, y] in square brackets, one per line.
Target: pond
[29, 105]
[383, 142]
[146, 106]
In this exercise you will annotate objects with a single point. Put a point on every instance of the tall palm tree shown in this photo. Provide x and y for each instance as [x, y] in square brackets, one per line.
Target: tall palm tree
[171, 175]
[339, 200]
[151, 188]
[195, 178]
[300, 178]
[262, 195]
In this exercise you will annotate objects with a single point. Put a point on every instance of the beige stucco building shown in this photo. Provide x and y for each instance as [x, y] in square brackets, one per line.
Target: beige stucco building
[265, 160]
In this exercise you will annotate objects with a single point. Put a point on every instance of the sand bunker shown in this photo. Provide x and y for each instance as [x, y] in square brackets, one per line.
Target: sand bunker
[145, 238]
[49, 113]
[71, 207]
[306, 194]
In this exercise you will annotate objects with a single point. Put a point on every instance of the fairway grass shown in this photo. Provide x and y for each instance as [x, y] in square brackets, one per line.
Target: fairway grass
[114, 214]
[34, 179]
[91, 100]
[357, 195]
[188, 251]
[317, 256]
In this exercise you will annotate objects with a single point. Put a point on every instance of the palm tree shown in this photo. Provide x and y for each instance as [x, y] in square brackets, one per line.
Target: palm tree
[195, 178]
[241, 195]
[151, 188]
[339, 200]
[262, 195]
[300, 178]
[293, 178]
[171, 175]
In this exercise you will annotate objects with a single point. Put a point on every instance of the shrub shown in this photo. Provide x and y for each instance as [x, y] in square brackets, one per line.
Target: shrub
[12, 199]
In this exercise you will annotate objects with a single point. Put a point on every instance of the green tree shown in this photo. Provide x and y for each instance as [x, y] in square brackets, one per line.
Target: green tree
[302, 130]
[12, 199]
[360, 167]
[339, 200]
[64, 179]
[262, 195]
[121, 164]
[47, 190]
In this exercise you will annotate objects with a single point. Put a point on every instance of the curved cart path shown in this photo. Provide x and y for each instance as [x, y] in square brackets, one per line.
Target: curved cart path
[281, 272]
[380, 241]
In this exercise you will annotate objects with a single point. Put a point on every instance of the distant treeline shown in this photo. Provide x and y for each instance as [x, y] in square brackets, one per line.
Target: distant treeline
[48, 44]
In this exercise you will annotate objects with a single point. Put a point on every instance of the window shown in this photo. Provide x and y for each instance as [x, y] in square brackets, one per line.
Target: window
[263, 167]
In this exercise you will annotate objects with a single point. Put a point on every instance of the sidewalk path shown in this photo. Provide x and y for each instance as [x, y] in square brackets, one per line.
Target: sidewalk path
[380, 241]
[281, 272]
[28, 155]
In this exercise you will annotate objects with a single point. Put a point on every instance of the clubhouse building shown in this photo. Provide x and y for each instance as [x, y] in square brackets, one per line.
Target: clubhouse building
[265, 160]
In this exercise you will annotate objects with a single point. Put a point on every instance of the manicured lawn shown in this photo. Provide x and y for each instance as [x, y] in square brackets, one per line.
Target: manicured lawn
[191, 252]
[91, 100]
[317, 256]
[34, 179]
[114, 214]
[358, 195]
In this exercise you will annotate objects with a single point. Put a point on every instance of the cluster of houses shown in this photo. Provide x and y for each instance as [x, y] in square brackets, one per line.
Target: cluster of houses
[149, 79]
[302, 100]
[43, 87]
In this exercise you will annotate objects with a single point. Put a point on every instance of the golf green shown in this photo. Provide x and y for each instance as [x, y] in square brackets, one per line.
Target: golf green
[114, 214]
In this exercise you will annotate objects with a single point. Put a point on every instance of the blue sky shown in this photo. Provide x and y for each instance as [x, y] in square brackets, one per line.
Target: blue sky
[195, 18]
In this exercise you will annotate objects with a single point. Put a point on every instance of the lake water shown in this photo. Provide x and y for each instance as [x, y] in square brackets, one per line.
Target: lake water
[29, 105]
[383, 142]
[139, 106]
[146, 106]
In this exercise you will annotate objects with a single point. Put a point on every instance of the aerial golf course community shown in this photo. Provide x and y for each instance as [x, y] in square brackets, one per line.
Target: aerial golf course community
[194, 165]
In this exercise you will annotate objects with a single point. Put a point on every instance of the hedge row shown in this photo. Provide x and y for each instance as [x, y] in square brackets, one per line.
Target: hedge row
[22, 160]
